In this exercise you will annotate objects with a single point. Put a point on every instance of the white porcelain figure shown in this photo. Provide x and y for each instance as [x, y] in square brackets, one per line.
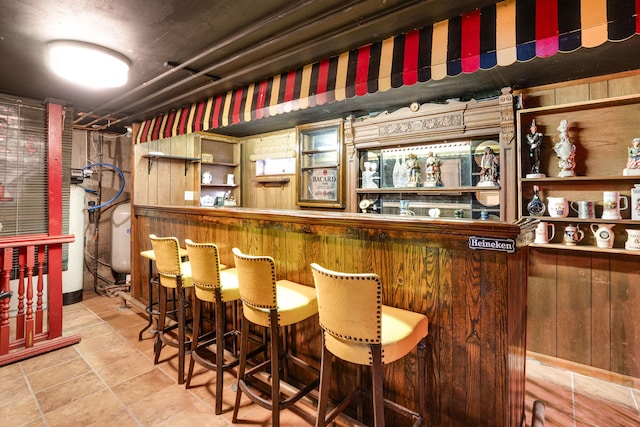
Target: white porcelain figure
[565, 151]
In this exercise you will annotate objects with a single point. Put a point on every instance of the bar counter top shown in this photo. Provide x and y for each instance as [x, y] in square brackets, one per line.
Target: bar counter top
[468, 276]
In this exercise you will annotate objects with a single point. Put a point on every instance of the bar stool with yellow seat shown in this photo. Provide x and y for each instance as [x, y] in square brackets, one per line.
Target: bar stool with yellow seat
[272, 304]
[154, 281]
[219, 287]
[358, 329]
[174, 274]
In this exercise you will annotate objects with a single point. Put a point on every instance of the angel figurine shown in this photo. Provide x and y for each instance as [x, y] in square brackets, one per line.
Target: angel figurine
[633, 162]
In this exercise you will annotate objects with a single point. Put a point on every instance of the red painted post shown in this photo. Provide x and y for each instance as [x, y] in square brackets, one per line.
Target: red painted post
[54, 164]
[5, 331]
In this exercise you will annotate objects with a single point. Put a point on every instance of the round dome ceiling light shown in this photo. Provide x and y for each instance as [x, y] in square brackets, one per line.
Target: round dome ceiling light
[87, 64]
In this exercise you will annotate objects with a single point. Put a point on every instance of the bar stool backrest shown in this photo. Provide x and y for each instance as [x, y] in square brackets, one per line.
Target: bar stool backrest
[205, 264]
[349, 305]
[168, 262]
[257, 281]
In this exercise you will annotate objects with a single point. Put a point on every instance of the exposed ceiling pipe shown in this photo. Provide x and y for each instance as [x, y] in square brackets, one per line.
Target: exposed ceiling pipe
[290, 52]
[372, 20]
[313, 22]
[279, 14]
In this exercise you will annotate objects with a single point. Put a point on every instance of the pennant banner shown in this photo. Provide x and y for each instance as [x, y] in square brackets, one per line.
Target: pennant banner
[498, 35]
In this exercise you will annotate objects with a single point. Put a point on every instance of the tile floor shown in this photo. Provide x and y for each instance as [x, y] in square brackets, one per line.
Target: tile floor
[108, 379]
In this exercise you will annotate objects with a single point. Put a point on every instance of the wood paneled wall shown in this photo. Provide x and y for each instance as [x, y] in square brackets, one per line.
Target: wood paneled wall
[475, 299]
[583, 306]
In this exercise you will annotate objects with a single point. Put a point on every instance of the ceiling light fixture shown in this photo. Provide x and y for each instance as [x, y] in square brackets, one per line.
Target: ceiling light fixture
[87, 64]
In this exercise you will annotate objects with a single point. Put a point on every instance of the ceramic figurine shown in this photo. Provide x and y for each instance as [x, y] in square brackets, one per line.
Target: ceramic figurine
[370, 175]
[432, 170]
[565, 151]
[413, 170]
[489, 171]
[633, 163]
[534, 139]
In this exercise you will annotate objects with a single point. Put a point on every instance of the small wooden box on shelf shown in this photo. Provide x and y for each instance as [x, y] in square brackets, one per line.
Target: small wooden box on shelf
[602, 132]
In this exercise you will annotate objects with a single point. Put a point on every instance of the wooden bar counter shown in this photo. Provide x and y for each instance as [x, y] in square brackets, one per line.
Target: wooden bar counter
[469, 277]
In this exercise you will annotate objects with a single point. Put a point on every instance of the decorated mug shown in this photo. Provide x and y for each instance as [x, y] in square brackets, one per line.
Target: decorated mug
[545, 231]
[572, 235]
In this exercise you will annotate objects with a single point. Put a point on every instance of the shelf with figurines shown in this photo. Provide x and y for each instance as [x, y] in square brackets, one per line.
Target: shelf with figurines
[576, 172]
[457, 179]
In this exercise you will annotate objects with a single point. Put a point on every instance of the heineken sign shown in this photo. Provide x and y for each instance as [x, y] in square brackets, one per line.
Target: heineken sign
[492, 244]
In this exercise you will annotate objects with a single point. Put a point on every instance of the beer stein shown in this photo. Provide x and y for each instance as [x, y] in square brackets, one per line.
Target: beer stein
[544, 232]
[612, 204]
[584, 209]
[572, 235]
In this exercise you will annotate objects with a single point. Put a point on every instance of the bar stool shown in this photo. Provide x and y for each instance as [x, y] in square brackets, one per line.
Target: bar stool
[174, 274]
[365, 333]
[272, 304]
[154, 281]
[218, 287]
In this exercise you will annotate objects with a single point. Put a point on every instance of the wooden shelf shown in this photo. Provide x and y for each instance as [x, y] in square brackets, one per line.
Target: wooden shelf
[219, 185]
[577, 220]
[273, 181]
[153, 156]
[583, 248]
[231, 165]
[453, 191]
[583, 179]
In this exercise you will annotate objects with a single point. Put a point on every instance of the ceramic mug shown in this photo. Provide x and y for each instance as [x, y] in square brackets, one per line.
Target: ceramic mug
[584, 208]
[612, 204]
[572, 235]
[558, 206]
[544, 232]
[633, 240]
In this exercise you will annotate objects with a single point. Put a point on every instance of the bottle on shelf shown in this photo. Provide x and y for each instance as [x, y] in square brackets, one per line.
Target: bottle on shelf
[535, 206]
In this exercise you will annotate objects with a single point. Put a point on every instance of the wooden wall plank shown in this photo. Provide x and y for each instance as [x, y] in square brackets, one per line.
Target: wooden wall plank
[574, 306]
[542, 316]
[601, 311]
[625, 322]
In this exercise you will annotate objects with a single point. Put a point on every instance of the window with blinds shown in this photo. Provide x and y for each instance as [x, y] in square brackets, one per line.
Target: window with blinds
[23, 169]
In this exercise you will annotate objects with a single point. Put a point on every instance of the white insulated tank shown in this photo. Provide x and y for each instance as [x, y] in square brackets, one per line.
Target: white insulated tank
[121, 238]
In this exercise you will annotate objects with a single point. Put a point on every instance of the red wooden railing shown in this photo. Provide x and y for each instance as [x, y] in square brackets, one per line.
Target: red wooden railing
[31, 335]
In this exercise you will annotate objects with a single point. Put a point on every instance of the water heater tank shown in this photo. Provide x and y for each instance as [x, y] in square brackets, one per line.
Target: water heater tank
[121, 238]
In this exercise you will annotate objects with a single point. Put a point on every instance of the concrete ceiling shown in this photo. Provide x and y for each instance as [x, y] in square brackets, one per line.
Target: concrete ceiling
[183, 51]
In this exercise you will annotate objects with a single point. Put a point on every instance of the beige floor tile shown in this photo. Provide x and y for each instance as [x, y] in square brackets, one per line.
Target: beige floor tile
[49, 360]
[20, 411]
[112, 354]
[13, 388]
[142, 386]
[101, 405]
[68, 392]
[91, 344]
[163, 405]
[125, 369]
[57, 374]
[200, 415]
